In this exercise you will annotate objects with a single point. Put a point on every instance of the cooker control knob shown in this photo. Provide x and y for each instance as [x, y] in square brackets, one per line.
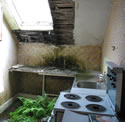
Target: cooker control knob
[114, 79]
[113, 85]
[109, 75]
[111, 78]
[113, 73]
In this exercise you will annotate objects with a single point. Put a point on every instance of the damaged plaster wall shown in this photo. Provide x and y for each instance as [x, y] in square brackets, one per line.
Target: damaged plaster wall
[114, 43]
[36, 54]
[8, 54]
[91, 17]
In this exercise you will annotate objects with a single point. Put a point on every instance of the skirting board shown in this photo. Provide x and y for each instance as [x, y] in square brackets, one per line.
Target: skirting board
[27, 95]
[4, 106]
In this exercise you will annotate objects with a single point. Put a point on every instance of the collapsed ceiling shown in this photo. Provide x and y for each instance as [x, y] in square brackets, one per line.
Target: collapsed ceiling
[63, 13]
[63, 19]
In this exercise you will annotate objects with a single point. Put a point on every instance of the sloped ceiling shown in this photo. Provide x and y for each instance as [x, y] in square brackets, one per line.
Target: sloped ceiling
[63, 17]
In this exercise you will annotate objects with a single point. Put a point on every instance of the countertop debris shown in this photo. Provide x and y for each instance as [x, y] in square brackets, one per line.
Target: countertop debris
[43, 70]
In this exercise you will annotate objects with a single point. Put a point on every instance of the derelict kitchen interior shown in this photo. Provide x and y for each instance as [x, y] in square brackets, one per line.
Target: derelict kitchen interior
[71, 50]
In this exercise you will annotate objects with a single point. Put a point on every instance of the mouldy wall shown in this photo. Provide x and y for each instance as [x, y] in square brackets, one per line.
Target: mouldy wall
[114, 43]
[36, 54]
[8, 54]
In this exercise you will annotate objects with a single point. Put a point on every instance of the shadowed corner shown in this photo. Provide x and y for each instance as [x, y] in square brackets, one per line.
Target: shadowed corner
[1, 82]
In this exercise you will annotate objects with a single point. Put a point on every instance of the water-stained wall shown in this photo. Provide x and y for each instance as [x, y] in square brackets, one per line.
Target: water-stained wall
[8, 54]
[86, 57]
[114, 43]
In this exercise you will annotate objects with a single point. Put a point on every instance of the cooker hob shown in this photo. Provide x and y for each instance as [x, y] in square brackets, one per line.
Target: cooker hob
[95, 107]
[70, 105]
[72, 96]
[84, 104]
[94, 98]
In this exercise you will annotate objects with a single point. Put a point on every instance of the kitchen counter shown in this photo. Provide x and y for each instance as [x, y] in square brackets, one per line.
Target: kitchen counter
[52, 71]
[46, 73]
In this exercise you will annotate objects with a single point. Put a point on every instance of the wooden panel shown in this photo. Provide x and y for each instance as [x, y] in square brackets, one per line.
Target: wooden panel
[54, 85]
[63, 6]
[64, 22]
[64, 26]
[63, 15]
[61, 2]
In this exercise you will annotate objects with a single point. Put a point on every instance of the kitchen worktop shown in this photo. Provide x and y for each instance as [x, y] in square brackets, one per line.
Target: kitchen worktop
[53, 71]
[80, 75]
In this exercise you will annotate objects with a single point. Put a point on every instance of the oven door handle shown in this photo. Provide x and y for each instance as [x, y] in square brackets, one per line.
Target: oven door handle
[50, 118]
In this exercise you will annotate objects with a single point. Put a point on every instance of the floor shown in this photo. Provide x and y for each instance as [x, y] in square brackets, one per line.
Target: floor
[4, 117]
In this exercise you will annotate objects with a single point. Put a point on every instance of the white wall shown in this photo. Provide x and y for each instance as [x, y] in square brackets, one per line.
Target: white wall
[8, 57]
[91, 17]
[114, 42]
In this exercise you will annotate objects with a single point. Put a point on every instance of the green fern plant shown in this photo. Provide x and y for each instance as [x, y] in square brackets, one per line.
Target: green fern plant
[33, 110]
